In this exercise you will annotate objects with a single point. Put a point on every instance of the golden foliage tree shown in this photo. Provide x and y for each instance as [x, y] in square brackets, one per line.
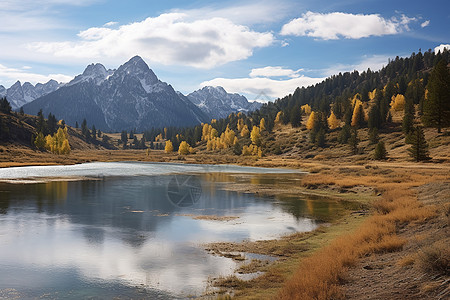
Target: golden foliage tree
[306, 109]
[398, 102]
[183, 149]
[59, 142]
[332, 121]
[312, 121]
[359, 116]
[372, 94]
[245, 132]
[240, 124]
[169, 147]
[255, 136]
[262, 124]
[279, 118]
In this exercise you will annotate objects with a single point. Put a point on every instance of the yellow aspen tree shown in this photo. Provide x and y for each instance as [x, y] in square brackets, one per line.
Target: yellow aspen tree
[229, 137]
[255, 136]
[235, 140]
[358, 116]
[332, 121]
[209, 145]
[312, 120]
[245, 132]
[279, 118]
[262, 124]
[306, 109]
[184, 148]
[213, 133]
[372, 94]
[240, 124]
[213, 121]
[65, 148]
[169, 147]
[398, 102]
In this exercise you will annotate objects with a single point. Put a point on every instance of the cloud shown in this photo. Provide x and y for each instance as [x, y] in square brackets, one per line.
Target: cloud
[441, 48]
[334, 25]
[262, 85]
[374, 62]
[109, 24]
[11, 75]
[274, 72]
[168, 39]
[425, 24]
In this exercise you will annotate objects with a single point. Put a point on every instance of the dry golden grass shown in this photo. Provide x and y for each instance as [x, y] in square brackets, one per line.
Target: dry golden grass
[320, 275]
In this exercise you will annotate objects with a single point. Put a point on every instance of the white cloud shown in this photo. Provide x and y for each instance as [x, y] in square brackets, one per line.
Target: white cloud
[274, 72]
[167, 39]
[334, 25]
[441, 48]
[425, 24]
[109, 24]
[375, 63]
[262, 86]
[11, 75]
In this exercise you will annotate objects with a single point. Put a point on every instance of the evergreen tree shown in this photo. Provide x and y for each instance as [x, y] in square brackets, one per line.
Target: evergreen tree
[296, 117]
[52, 124]
[76, 124]
[124, 136]
[94, 132]
[41, 125]
[5, 106]
[320, 138]
[419, 146]
[85, 130]
[354, 141]
[436, 109]
[21, 112]
[380, 151]
[344, 135]
[373, 135]
[374, 117]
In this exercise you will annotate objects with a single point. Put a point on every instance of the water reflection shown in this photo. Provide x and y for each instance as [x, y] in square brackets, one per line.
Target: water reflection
[107, 237]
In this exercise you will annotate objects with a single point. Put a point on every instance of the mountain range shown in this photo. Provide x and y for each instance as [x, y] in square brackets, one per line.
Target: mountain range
[19, 95]
[131, 97]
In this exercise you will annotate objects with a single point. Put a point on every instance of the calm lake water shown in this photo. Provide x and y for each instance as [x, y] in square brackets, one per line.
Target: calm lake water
[128, 229]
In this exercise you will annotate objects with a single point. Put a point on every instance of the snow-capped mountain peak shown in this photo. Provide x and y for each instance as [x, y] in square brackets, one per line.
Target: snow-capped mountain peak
[217, 103]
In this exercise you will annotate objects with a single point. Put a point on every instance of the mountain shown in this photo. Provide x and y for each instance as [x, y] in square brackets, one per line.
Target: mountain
[217, 103]
[131, 97]
[19, 95]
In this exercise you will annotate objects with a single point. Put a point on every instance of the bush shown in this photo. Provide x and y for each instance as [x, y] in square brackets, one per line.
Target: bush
[436, 258]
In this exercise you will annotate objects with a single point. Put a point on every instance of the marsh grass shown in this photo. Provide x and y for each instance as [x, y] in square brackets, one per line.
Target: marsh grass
[320, 275]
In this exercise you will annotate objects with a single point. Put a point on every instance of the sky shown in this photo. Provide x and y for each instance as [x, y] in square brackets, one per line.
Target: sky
[261, 49]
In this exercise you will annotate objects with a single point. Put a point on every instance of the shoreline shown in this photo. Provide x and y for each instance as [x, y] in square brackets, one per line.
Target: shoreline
[366, 182]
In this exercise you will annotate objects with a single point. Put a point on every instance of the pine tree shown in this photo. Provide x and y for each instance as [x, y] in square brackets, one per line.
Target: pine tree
[295, 117]
[94, 132]
[5, 106]
[354, 141]
[380, 151]
[373, 135]
[320, 138]
[374, 117]
[124, 136]
[76, 124]
[436, 108]
[419, 146]
[344, 135]
[21, 112]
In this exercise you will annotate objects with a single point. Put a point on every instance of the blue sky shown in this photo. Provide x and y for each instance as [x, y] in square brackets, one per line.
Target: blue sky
[249, 47]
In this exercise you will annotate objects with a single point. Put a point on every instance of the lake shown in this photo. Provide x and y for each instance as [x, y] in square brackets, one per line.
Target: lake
[135, 230]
